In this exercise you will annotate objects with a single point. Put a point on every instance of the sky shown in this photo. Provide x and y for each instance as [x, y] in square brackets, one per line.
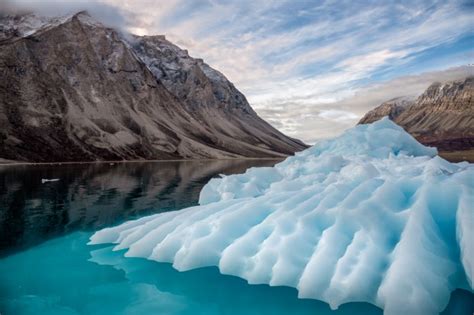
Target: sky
[310, 68]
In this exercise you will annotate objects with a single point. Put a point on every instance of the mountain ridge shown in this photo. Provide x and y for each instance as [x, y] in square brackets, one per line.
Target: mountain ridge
[74, 89]
[442, 116]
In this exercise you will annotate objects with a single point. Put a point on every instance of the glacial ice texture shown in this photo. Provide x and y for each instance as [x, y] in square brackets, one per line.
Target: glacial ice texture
[370, 216]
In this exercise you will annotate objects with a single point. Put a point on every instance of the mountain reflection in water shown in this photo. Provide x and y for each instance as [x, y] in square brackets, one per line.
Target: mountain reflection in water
[93, 196]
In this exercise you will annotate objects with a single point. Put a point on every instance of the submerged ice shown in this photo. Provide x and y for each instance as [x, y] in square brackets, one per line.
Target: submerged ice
[370, 216]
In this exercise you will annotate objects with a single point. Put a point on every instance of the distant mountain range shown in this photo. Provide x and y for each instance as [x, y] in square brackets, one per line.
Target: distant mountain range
[72, 89]
[442, 117]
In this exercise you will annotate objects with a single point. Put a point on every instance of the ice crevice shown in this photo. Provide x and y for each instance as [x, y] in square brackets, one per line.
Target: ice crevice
[371, 216]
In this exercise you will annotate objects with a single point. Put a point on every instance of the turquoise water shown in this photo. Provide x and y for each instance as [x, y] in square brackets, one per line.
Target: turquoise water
[47, 268]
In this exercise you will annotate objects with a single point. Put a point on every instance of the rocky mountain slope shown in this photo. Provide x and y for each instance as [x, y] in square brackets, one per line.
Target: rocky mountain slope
[74, 90]
[443, 116]
[392, 108]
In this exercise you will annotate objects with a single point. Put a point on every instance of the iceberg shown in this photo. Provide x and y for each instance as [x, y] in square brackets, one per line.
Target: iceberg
[370, 216]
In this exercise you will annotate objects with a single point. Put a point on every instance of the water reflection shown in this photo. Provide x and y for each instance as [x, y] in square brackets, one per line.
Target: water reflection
[92, 196]
[96, 280]
[66, 276]
[206, 291]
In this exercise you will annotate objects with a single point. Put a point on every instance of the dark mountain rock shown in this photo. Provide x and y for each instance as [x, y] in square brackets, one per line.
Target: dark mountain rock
[72, 89]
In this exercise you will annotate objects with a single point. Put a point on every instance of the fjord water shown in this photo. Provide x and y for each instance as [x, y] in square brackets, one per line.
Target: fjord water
[46, 266]
[93, 196]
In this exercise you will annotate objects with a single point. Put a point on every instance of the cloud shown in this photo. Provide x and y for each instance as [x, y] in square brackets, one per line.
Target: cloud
[303, 63]
[374, 94]
[337, 115]
[313, 121]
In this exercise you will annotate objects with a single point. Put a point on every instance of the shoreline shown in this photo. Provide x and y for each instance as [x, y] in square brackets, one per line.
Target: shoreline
[451, 156]
[17, 163]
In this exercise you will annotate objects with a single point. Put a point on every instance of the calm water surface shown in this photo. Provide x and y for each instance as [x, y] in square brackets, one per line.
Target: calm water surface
[47, 268]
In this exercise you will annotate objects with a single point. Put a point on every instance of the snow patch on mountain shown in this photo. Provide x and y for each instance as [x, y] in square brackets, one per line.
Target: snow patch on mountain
[24, 25]
[160, 53]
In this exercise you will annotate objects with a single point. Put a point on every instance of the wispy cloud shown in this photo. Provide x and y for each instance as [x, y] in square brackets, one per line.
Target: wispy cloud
[302, 63]
[313, 120]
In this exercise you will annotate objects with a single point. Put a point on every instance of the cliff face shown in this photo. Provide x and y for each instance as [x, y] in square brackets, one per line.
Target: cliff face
[210, 99]
[443, 116]
[74, 90]
[392, 108]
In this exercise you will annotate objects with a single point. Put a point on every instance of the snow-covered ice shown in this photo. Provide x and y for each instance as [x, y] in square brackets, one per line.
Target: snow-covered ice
[369, 216]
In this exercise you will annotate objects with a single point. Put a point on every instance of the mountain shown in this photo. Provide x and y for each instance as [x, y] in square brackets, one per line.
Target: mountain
[392, 108]
[443, 116]
[73, 89]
